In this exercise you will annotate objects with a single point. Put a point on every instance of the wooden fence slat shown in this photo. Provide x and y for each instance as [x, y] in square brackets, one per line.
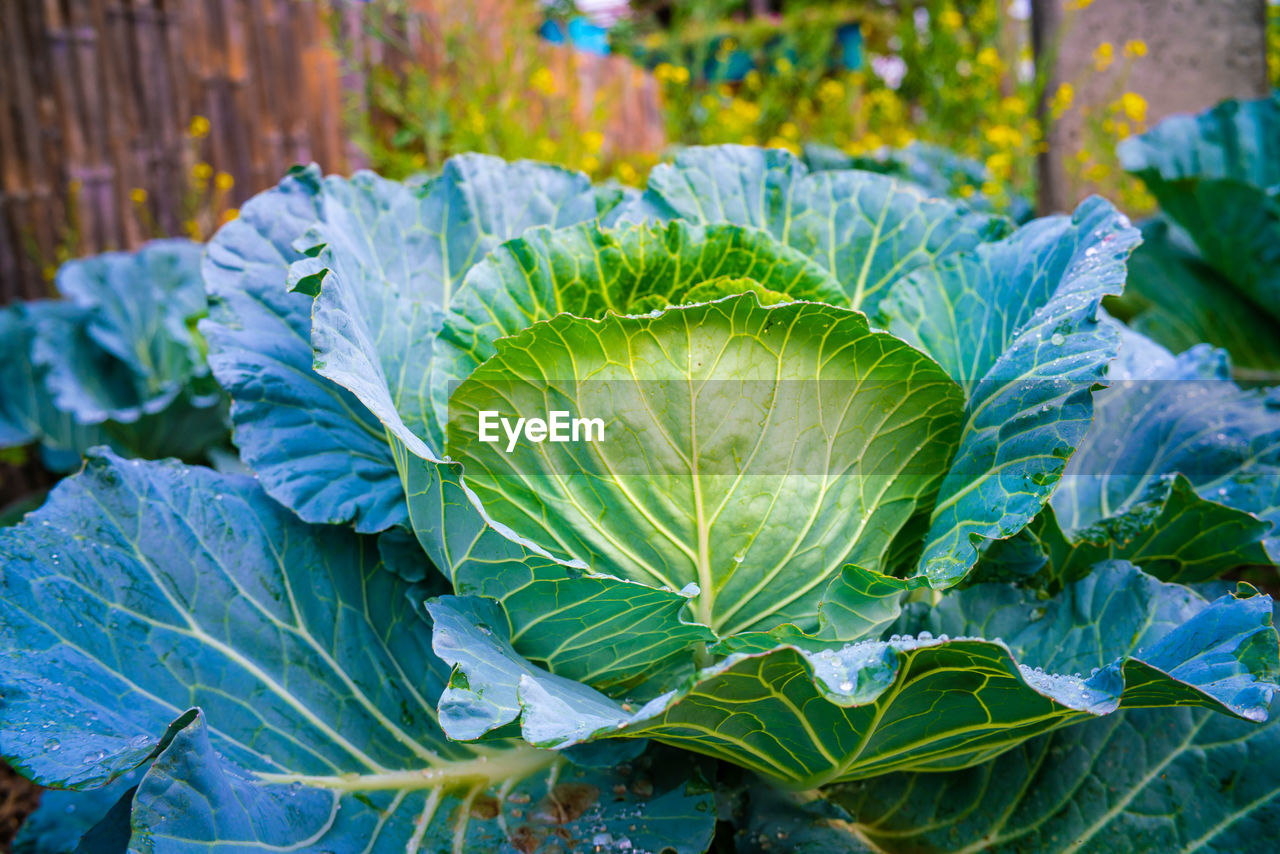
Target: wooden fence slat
[99, 94]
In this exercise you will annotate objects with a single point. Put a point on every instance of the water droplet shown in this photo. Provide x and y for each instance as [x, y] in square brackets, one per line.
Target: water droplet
[1057, 339]
[925, 636]
[52, 744]
[846, 686]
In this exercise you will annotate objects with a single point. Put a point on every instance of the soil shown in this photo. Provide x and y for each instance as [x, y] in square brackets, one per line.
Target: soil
[17, 799]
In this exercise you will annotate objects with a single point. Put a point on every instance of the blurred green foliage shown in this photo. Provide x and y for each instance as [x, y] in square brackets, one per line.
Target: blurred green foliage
[868, 78]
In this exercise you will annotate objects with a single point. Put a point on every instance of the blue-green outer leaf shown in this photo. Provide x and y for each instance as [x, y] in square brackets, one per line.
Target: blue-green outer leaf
[1016, 323]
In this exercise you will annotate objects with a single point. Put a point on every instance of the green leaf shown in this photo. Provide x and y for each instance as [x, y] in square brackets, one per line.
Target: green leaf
[857, 605]
[1160, 780]
[132, 353]
[315, 448]
[722, 422]
[39, 407]
[605, 632]
[1173, 297]
[937, 170]
[1181, 415]
[1016, 323]
[63, 817]
[391, 258]
[1172, 533]
[867, 229]
[585, 270]
[609, 194]
[771, 819]
[1216, 175]
[27, 411]
[810, 714]
[142, 590]
[568, 620]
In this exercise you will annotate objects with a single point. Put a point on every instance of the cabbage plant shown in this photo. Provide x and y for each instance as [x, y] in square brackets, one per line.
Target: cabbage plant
[116, 361]
[846, 518]
[1208, 267]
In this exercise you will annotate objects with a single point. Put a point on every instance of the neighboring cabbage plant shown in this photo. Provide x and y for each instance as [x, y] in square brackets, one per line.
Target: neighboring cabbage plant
[1209, 266]
[810, 539]
[937, 170]
[116, 361]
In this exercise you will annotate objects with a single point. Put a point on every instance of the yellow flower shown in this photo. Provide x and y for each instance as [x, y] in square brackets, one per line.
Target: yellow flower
[1082, 156]
[830, 90]
[475, 120]
[543, 81]
[1103, 54]
[138, 196]
[593, 140]
[951, 19]
[989, 58]
[1135, 47]
[782, 65]
[752, 80]
[202, 171]
[1004, 136]
[230, 214]
[1077, 5]
[192, 228]
[1061, 100]
[779, 142]
[1097, 172]
[546, 148]
[1134, 106]
[590, 163]
[749, 111]
[50, 272]
[788, 130]
[223, 181]
[665, 72]
[627, 173]
[1015, 105]
[199, 127]
[1000, 164]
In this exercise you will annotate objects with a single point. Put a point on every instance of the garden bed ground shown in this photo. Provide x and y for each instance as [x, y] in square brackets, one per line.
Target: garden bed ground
[17, 799]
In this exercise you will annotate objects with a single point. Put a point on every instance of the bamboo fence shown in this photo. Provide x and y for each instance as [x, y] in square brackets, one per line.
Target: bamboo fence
[97, 99]
[97, 96]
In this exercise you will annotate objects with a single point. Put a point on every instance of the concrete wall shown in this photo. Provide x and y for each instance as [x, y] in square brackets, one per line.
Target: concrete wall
[1198, 52]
